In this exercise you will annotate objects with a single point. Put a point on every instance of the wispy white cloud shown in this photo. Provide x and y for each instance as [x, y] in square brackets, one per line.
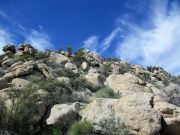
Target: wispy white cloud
[156, 42]
[91, 43]
[39, 39]
[109, 39]
[158, 45]
[5, 38]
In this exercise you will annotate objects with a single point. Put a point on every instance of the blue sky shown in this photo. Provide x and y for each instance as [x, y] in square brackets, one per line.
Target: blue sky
[144, 32]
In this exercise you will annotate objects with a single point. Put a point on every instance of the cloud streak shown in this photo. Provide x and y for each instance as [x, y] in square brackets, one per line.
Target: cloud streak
[154, 42]
[39, 39]
[5, 38]
[158, 45]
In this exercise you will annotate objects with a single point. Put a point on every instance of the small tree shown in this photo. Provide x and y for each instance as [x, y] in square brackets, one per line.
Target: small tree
[69, 50]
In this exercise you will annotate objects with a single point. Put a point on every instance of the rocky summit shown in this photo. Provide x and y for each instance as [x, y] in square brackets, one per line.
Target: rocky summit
[65, 93]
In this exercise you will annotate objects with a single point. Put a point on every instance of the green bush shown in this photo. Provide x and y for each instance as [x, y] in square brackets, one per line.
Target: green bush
[81, 128]
[79, 57]
[1, 72]
[106, 68]
[144, 76]
[80, 84]
[107, 93]
[20, 118]
[52, 131]
[113, 126]
[25, 57]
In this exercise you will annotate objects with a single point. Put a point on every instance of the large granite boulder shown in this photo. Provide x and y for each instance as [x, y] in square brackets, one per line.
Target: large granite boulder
[135, 110]
[58, 58]
[126, 84]
[10, 48]
[63, 114]
[95, 78]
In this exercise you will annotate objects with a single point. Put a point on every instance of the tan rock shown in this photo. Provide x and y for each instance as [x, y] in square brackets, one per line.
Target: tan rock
[134, 110]
[63, 114]
[171, 117]
[70, 66]
[45, 70]
[18, 82]
[95, 78]
[58, 58]
[126, 84]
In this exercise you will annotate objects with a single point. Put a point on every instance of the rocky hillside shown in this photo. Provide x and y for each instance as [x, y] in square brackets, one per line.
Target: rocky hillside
[61, 93]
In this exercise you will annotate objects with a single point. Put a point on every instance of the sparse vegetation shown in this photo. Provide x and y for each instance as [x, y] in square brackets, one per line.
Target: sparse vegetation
[79, 57]
[144, 76]
[113, 126]
[81, 128]
[20, 118]
[107, 93]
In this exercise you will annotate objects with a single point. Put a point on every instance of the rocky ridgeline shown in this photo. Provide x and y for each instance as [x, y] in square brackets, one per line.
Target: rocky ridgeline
[65, 87]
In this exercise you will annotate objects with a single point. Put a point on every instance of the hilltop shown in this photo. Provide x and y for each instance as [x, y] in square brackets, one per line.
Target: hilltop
[81, 93]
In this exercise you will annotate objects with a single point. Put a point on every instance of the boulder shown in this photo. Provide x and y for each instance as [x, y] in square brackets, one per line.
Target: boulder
[44, 69]
[63, 114]
[19, 70]
[95, 78]
[126, 84]
[18, 82]
[9, 47]
[70, 66]
[134, 110]
[170, 117]
[7, 62]
[43, 102]
[58, 58]
[26, 49]
[64, 79]
[84, 65]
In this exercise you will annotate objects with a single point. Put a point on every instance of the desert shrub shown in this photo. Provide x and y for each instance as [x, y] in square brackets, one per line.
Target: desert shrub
[112, 126]
[25, 57]
[144, 76]
[39, 56]
[69, 50]
[106, 68]
[20, 118]
[59, 90]
[52, 131]
[1, 72]
[80, 84]
[79, 57]
[81, 128]
[60, 71]
[107, 93]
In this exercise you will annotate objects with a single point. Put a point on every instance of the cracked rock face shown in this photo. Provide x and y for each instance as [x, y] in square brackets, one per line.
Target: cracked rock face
[134, 110]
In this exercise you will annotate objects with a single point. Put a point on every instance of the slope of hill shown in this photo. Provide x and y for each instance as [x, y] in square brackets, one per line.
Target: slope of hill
[52, 93]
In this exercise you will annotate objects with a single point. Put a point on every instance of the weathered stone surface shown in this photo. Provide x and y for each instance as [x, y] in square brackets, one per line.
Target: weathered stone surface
[20, 70]
[134, 110]
[26, 49]
[44, 69]
[18, 82]
[63, 114]
[126, 84]
[58, 58]
[84, 65]
[171, 117]
[10, 48]
[95, 78]
[44, 101]
[8, 62]
[70, 66]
